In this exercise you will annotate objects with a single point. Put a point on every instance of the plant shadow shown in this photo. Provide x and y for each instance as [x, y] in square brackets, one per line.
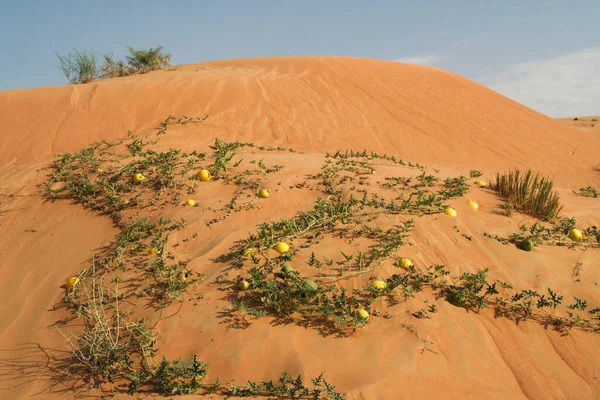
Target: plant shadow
[41, 371]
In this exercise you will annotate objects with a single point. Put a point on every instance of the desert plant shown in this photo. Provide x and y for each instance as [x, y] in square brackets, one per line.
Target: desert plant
[555, 235]
[178, 377]
[111, 343]
[467, 292]
[80, 66]
[530, 194]
[83, 66]
[589, 191]
[145, 60]
[115, 69]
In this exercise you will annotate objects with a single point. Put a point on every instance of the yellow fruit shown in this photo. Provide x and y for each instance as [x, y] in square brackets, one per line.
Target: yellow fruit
[190, 203]
[480, 183]
[263, 194]
[364, 314]
[473, 205]
[379, 284]
[72, 282]
[125, 202]
[450, 212]
[204, 175]
[99, 170]
[405, 263]
[248, 253]
[138, 178]
[243, 285]
[575, 235]
[282, 247]
[154, 251]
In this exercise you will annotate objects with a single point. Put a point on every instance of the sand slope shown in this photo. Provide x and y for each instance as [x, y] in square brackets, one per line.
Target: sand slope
[313, 104]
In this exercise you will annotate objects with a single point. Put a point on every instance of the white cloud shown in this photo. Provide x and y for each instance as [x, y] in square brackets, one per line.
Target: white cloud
[448, 51]
[424, 59]
[564, 86]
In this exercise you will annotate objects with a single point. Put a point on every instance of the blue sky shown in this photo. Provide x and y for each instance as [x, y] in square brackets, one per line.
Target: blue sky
[542, 53]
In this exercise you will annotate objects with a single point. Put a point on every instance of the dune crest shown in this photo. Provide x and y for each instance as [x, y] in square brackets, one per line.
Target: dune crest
[312, 103]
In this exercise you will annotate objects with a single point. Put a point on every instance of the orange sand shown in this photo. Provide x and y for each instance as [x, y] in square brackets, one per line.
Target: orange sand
[312, 104]
[585, 124]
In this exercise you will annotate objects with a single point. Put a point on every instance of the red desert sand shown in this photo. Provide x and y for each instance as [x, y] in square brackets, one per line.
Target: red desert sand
[445, 122]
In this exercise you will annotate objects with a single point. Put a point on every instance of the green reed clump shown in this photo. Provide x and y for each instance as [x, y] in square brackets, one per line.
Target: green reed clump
[533, 195]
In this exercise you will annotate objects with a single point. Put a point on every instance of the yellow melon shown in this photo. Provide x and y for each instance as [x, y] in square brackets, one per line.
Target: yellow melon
[282, 247]
[451, 212]
[575, 235]
[405, 263]
[138, 178]
[379, 284]
[72, 282]
[204, 175]
[364, 314]
[243, 285]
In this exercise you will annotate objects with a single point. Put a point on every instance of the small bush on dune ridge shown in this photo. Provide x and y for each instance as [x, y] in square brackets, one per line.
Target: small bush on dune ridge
[83, 66]
[80, 66]
[530, 194]
[144, 60]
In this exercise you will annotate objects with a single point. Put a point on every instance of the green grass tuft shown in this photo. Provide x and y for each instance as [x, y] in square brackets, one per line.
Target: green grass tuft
[529, 194]
[80, 66]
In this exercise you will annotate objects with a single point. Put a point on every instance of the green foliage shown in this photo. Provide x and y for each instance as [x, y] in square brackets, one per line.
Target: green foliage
[110, 343]
[276, 289]
[529, 194]
[471, 290]
[110, 190]
[288, 387]
[83, 66]
[115, 68]
[370, 156]
[589, 191]
[225, 151]
[145, 60]
[80, 66]
[422, 200]
[178, 376]
[112, 346]
[324, 214]
[554, 235]
[172, 120]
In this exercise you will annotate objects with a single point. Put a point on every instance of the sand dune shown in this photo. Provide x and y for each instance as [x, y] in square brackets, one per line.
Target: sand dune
[313, 105]
[584, 124]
